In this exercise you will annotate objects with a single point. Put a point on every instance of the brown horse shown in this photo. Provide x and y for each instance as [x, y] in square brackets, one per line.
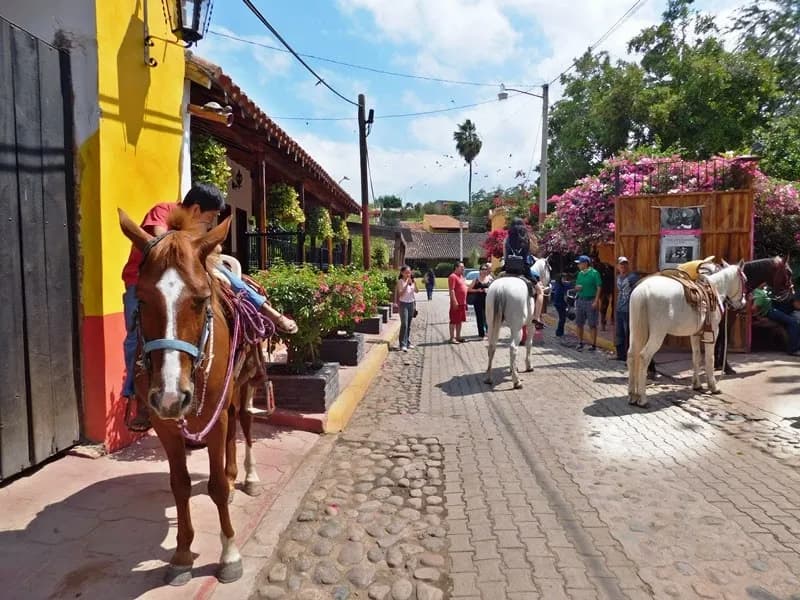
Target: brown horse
[187, 371]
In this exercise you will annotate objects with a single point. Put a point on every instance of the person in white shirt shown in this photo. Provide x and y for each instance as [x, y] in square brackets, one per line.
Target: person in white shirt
[405, 300]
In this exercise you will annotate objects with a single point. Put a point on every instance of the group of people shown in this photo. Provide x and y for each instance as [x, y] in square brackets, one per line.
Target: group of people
[587, 288]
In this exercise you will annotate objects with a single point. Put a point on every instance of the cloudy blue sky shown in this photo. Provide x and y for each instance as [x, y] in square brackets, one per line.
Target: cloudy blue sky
[519, 42]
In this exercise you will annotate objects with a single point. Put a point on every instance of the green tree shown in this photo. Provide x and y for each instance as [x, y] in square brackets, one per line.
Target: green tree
[468, 145]
[389, 201]
[780, 147]
[771, 29]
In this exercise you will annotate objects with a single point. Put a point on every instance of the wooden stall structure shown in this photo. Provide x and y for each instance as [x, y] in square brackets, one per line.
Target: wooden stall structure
[727, 233]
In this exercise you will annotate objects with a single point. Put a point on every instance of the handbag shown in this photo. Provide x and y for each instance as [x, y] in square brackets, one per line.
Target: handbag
[514, 264]
[416, 312]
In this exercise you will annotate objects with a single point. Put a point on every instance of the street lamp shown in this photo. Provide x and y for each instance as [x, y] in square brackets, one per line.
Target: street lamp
[503, 95]
[187, 19]
[345, 178]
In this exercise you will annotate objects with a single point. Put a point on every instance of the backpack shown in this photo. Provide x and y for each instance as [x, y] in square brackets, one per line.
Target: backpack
[514, 263]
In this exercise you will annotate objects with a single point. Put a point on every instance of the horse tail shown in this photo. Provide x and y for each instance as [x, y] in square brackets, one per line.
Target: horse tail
[495, 308]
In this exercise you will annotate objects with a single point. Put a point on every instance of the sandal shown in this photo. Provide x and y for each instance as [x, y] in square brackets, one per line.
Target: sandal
[140, 422]
[285, 325]
[454, 341]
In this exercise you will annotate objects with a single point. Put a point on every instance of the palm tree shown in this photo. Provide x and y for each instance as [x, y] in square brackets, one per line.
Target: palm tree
[468, 145]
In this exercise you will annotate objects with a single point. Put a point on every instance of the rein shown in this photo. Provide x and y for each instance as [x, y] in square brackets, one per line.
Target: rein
[250, 327]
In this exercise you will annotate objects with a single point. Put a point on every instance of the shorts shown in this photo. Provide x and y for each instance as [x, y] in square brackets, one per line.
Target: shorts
[584, 313]
[458, 314]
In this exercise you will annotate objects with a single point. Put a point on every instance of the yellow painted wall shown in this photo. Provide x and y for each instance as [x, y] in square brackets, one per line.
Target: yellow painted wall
[135, 160]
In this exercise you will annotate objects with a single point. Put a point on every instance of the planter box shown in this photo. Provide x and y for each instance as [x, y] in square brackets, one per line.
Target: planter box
[385, 312]
[371, 325]
[309, 393]
[342, 349]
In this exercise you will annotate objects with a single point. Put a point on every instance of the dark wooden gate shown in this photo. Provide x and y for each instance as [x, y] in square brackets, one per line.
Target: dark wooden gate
[38, 391]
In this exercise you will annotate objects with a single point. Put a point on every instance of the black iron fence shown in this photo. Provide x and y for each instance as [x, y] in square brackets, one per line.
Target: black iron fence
[264, 249]
[661, 176]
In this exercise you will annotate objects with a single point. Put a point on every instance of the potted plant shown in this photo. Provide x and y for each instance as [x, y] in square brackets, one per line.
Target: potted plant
[210, 162]
[283, 206]
[346, 299]
[375, 294]
[306, 383]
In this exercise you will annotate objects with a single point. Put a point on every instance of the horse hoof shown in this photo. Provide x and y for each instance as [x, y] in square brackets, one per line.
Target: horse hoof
[529, 369]
[715, 392]
[642, 403]
[697, 388]
[178, 575]
[229, 572]
[518, 385]
[252, 488]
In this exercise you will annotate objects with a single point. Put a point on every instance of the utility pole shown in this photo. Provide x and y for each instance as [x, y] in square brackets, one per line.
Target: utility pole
[543, 158]
[362, 148]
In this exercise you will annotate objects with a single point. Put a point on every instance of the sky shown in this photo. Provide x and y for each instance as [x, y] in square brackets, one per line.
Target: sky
[522, 43]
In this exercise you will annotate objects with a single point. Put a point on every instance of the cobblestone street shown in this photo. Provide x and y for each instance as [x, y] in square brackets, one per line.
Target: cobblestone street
[442, 488]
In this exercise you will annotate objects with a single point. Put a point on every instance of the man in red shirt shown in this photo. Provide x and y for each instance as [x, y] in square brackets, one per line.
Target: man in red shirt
[458, 302]
[204, 203]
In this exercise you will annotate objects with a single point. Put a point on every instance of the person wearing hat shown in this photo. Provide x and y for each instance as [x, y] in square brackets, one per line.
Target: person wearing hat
[588, 284]
[626, 279]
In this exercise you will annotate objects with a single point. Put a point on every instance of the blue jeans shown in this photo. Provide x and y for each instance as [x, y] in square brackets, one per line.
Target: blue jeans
[791, 325]
[129, 305]
[622, 321]
[562, 320]
[406, 315]
[429, 290]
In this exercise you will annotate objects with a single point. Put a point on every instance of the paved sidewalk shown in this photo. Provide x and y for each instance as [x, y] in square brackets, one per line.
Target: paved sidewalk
[105, 528]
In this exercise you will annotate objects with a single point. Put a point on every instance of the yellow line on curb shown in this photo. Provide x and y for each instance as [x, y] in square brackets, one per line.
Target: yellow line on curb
[344, 406]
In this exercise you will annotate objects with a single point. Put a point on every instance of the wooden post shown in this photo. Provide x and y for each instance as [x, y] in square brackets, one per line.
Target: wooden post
[262, 185]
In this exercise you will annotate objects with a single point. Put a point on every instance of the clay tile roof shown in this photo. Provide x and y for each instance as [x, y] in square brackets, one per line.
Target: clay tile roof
[412, 225]
[440, 222]
[270, 128]
[430, 245]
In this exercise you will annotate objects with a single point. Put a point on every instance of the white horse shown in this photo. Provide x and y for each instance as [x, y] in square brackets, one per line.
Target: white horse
[658, 308]
[508, 302]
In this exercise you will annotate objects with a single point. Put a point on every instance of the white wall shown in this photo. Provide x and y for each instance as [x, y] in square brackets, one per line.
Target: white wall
[240, 198]
[68, 24]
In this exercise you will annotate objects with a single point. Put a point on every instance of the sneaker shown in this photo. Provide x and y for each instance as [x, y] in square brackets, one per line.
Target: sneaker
[592, 348]
[410, 347]
[403, 349]
[579, 348]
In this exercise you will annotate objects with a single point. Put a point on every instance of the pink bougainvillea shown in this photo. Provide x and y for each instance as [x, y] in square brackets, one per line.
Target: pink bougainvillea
[494, 244]
[584, 214]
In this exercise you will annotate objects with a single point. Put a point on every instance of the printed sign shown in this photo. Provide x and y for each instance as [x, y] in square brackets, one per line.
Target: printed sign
[681, 232]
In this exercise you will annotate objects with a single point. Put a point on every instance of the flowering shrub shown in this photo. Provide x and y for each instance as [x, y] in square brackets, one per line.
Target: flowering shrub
[346, 296]
[495, 241]
[321, 303]
[584, 214]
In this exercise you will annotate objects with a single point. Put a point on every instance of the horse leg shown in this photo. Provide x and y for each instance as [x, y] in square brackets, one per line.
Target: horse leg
[230, 567]
[252, 482]
[696, 385]
[645, 356]
[179, 571]
[231, 469]
[711, 380]
[492, 334]
[529, 342]
[516, 336]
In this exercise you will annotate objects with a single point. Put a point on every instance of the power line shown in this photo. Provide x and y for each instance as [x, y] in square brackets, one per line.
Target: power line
[627, 15]
[267, 24]
[365, 67]
[399, 115]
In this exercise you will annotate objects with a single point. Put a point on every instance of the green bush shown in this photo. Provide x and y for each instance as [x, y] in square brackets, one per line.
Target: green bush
[379, 253]
[443, 269]
[209, 162]
[283, 205]
[300, 293]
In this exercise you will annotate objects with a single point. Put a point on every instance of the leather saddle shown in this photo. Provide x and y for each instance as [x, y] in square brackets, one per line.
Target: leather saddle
[700, 295]
[528, 282]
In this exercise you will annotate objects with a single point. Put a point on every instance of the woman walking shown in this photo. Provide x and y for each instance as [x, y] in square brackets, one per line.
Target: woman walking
[404, 298]
[478, 290]
[430, 282]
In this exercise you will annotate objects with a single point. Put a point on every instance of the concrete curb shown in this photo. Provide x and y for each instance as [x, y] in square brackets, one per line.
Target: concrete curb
[342, 409]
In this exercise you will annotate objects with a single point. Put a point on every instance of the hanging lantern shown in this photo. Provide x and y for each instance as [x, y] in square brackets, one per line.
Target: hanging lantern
[188, 19]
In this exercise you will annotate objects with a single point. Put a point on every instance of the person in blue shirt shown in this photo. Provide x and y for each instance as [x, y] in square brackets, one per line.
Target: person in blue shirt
[561, 285]
[626, 279]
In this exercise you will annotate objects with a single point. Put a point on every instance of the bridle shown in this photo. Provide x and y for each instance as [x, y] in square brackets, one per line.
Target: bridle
[785, 283]
[197, 352]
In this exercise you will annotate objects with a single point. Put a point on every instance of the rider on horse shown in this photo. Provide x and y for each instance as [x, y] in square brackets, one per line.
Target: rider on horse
[518, 260]
[204, 203]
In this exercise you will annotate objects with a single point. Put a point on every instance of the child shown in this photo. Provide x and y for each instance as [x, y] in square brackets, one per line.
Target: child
[561, 285]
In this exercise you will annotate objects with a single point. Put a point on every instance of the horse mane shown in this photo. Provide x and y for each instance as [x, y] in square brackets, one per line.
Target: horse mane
[180, 219]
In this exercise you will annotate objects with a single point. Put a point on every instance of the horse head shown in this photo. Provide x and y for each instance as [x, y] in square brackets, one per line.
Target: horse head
[175, 311]
[782, 278]
[733, 284]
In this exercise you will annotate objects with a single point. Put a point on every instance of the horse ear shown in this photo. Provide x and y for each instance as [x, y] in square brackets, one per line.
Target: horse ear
[138, 236]
[725, 263]
[206, 244]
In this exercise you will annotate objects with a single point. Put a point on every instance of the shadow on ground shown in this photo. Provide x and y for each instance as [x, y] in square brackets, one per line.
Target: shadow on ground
[617, 406]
